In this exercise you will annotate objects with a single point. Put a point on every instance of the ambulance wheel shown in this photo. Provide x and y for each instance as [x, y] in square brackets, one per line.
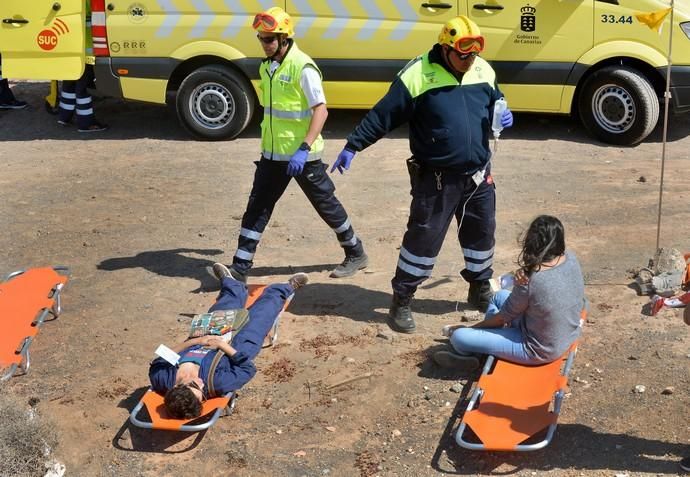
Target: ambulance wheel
[618, 105]
[215, 103]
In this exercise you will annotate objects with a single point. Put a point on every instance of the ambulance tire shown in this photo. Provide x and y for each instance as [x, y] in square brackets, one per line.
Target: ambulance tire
[618, 105]
[215, 103]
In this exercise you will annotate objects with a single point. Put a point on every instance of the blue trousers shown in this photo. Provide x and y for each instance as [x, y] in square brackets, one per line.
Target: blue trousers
[437, 197]
[505, 343]
[75, 98]
[262, 314]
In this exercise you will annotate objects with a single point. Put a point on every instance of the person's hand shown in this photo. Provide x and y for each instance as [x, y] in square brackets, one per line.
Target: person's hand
[213, 342]
[507, 118]
[296, 164]
[343, 161]
[520, 277]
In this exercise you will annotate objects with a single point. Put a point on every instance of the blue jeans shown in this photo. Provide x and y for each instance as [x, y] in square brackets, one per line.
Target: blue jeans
[262, 314]
[504, 343]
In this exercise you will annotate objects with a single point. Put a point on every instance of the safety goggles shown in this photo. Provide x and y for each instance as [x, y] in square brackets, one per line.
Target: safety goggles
[267, 39]
[266, 21]
[470, 44]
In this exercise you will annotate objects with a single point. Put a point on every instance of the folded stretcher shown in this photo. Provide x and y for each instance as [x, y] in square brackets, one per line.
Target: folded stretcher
[26, 299]
[212, 409]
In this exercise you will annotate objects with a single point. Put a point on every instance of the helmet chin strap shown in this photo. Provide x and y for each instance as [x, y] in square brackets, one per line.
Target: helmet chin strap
[277, 56]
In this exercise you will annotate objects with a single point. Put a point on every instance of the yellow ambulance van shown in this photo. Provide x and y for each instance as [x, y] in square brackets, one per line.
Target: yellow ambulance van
[595, 58]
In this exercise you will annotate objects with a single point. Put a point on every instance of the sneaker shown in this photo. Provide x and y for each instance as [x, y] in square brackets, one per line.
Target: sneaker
[13, 104]
[221, 271]
[450, 360]
[95, 127]
[64, 123]
[479, 294]
[685, 464]
[351, 265]
[298, 280]
[400, 315]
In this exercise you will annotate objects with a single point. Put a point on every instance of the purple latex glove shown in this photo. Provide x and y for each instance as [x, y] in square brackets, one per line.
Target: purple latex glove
[296, 164]
[343, 161]
[507, 118]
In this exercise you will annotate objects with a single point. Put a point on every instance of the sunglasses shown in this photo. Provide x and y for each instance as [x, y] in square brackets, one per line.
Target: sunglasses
[469, 44]
[195, 385]
[267, 39]
[267, 22]
[466, 55]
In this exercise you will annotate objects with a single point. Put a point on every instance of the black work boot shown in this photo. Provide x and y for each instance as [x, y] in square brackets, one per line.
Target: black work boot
[400, 315]
[480, 294]
[351, 265]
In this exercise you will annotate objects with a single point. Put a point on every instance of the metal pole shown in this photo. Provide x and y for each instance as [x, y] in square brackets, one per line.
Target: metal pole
[667, 97]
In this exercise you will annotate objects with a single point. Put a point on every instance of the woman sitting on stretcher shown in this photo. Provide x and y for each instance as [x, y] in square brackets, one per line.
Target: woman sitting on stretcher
[540, 319]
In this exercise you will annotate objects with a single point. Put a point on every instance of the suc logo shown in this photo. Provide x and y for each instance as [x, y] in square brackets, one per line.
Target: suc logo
[48, 39]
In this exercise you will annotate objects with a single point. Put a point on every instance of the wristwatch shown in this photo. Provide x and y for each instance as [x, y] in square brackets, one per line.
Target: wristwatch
[304, 147]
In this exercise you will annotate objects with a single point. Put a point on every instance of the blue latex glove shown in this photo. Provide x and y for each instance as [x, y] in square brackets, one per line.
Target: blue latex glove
[507, 118]
[296, 164]
[344, 159]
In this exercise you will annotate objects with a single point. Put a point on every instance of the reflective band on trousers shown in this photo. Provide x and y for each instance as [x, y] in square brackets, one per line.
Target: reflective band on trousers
[243, 255]
[477, 254]
[417, 272]
[478, 267]
[342, 228]
[404, 253]
[277, 113]
[349, 243]
[250, 234]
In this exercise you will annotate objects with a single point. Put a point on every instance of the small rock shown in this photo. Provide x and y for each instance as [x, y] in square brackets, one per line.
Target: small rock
[668, 390]
[350, 360]
[426, 388]
[471, 315]
[396, 433]
[640, 388]
[334, 400]
[456, 388]
[411, 403]
[300, 453]
[384, 335]
[330, 428]
[279, 431]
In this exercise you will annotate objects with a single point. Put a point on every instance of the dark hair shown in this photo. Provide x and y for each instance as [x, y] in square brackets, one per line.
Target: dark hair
[182, 403]
[543, 241]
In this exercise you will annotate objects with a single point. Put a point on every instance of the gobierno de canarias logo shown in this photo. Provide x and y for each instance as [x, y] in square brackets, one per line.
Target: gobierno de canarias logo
[48, 39]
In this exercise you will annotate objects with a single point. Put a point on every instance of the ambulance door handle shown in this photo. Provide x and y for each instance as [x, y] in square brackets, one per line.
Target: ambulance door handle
[14, 20]
[437, 5]
[481, 6]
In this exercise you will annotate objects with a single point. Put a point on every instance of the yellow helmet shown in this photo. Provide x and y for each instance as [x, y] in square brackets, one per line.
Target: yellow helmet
[274, 20]
[462, 34]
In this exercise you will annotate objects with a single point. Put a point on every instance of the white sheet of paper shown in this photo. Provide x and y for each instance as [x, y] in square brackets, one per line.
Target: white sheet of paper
[167, 354]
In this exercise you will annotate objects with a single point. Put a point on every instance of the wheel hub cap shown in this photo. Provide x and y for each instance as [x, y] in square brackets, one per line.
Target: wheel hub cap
[613, 108]
[212, 105]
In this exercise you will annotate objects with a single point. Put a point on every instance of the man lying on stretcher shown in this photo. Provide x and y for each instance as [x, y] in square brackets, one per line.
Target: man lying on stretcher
[186, 385]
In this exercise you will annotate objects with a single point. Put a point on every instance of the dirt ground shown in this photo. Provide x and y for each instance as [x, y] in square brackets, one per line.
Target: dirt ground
[139, 214]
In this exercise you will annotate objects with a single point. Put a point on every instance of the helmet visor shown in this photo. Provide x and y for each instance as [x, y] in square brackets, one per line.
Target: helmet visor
[470, 44]
[264, 21]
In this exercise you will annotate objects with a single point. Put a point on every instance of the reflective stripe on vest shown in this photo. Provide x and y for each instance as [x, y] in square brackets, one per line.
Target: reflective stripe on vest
[287, 114]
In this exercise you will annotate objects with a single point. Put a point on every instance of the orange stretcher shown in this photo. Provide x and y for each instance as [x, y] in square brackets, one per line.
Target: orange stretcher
[26, 299]
[212, 409]
[512, 404]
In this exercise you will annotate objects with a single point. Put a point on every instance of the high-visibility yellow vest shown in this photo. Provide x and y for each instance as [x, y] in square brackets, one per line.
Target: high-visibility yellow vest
[287, 114]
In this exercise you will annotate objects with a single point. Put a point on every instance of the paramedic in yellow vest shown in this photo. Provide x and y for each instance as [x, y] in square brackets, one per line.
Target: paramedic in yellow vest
[75, 98]
[291, 146]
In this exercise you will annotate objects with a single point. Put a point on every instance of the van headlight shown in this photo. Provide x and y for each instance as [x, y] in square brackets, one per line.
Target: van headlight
[686, 28]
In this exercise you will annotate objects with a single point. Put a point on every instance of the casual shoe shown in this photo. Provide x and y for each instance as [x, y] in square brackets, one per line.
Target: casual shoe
[64, 123]
[450, 360]
[298, 280]
[351, 265]
[95, 127]
[13, 104]
[400, 315]
[685, 464]
[221, 271]
[479, 295]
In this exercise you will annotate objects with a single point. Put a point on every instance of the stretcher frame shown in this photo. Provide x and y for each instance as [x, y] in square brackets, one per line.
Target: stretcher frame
[557, 400]
[54, 295]
[215, 407]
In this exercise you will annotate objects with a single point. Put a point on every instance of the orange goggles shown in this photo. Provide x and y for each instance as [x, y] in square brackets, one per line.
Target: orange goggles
[266, 21]
[470, 44]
